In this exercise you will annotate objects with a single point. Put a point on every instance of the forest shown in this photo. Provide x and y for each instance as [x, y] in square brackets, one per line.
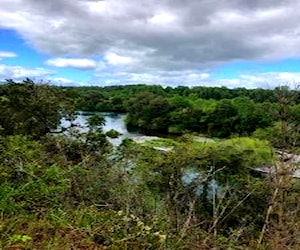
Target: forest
[76, 190]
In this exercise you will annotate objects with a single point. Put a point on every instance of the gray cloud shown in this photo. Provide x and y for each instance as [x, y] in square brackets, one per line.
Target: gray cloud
[141, 38]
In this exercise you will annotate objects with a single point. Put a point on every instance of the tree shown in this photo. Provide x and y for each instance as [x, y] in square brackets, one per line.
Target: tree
[251, 115]
[221, 122]
[30, 109]
[148, 111]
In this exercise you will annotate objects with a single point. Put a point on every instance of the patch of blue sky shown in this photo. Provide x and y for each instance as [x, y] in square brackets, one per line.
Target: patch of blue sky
[27, 57]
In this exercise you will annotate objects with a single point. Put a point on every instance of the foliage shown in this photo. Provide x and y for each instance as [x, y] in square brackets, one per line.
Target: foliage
[113, 133]
[162, 142]
[178, 115]
[30, 109]
[148, 111]
[20, 158]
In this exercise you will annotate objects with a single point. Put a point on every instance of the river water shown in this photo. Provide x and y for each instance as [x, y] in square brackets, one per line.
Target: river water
[112, 121]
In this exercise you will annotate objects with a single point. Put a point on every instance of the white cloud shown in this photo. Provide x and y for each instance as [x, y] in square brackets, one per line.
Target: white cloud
[57, 23]
[187, 78]
[79, 63]
[7, 54]
[258, 80]
[114, 59]
[162, 18]
[62, 80]
[196, 78]
[96, 6]
[272, 79]
[20, 73]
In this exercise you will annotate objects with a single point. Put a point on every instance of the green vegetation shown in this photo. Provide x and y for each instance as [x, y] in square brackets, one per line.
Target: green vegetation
[76, 191]
[215, 112]
[162, 142]
[113, 133]
[31, 109]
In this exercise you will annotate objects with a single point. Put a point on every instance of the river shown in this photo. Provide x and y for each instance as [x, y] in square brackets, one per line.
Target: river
[112, 121]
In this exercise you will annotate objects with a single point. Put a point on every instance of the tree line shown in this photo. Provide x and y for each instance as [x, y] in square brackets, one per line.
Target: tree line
[216, 112]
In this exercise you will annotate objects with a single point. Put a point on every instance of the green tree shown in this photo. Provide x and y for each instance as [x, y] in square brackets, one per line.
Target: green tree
[30, 109]
[148, 111]
[221, 122]
[251, 115]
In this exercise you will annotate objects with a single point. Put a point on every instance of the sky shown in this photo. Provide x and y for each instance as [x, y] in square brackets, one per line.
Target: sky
[231, 43]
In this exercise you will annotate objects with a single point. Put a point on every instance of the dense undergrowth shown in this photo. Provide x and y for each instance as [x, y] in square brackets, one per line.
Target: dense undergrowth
[131, 198]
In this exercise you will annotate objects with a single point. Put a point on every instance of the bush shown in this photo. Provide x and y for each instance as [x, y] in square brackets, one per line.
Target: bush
[113, 133]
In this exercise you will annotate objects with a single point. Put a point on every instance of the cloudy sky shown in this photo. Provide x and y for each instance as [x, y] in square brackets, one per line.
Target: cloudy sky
[233, 43]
